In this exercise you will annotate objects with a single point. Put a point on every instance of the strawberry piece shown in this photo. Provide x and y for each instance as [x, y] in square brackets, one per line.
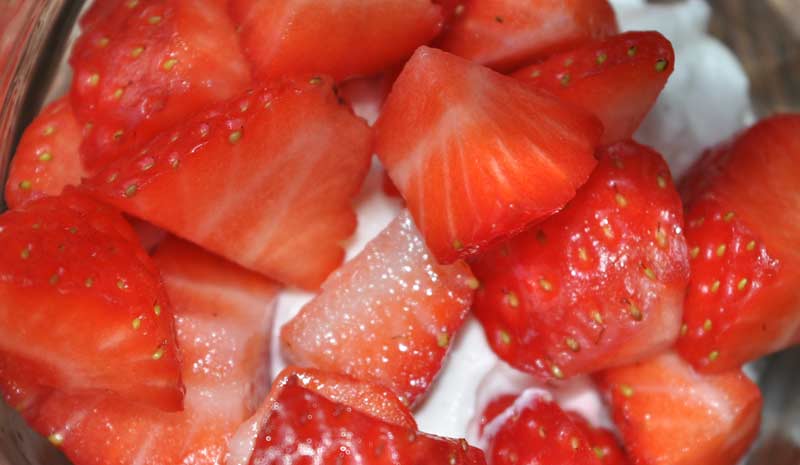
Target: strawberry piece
[301, 420]
[477, 155]
[742, 301]
[506, 34]
[617, 79]
[143, 66]
[387, 316]
[82, 306]
[599, 284]
[602, 441]
[670, 415]
[266, 180]
[47, 158]
[222, 314]
[344, 38]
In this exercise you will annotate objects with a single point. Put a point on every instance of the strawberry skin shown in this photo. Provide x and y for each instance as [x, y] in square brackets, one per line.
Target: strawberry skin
[477, 155]
[617, 79]
[597, 285]
[507, 34]
[47, 157]
[82, 306]
[670, 415]
[341, 38]
[387, 316]
[302, 421]
[143, 66]
[265, 180]
[742, 301]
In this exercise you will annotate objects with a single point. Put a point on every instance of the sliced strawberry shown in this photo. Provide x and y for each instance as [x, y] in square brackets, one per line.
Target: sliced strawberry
[265, 180]
[222, 314]
[387, 316]
[742, 301]
[670, 415]
[617, 79]
[47, 157]
[507, 34]
[341, 38]
[143, 66]
[478, 156]
[602, 441]
[82, 306]
[599, 284]
[302, 422]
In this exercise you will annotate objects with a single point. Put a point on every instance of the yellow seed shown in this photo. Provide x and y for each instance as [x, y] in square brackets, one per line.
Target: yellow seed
[457, 245]
[636, 314]
[169, 64]
[157, 309]
[609, 233]
[89, 282]
[136, 323]
[118, 93]
[442, 339]
[697, 223]
[542, 432]
[715, 286]
[684, 329]
[121, 284]
[235, 137]
[599, 452]
[45, 156]
[707, 325]
[459, 9]
[582, 254]
[56, 439]
[546, 285]
[626, 390]
[137, 51]
[536, 73]
[572, 344]
[118, 134]
[575, 442]
[650, 273]
[94, 79]
[661, 64]
[54, 279]
[505, 338]
[512, 299]
[103, 41]
[565, 78]
[154, 19]
[742, 284]
[662, 183]
[174, 163]
[244, 106]
[621, 200]
[25, 254]
[601, 58]
[148, 165]
[132, 3]
[713, 355]
[130, 191]
[597, 317]
[473, 283]
[158, 354]
[315, 81]
[556, 370]
[694, 252]
[569, 61]
[48, 130]
[721, 250]
[632, 51]
[751, 245]
[728, 216]
[661, 237]
[25, 185]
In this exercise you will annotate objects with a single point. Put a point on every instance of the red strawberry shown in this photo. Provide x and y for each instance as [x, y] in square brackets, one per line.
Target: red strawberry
[506, 34]
[265, 180]
[302, 422]
[670, 415]
[478, 156]
[600, 284]
[82, 306]
[143, 66]
[387, 316]
[618, 79]
[602, 441]
[222, 313]
[341, 38]
[47, 156]
[742, 232]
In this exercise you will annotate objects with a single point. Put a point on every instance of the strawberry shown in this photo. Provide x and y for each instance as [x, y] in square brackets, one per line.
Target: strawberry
[478, 156]
[47, 156]
[387, 316]
[82, 306]
[617, 79]
[602, 441]
[302, 422]
[742, 301]
[265, 179]
[670, 415]
[506, 34]
[143, 66]
[342, 38]
[597, 285]
[222, 314]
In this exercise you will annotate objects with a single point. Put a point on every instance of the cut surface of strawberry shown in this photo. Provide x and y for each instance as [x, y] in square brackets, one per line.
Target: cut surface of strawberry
[47, 157]
[387, 316]
[265, 180]
[477, 155]
[82, 306]
[342, 38]
[742, 233]
[143, 66]
[222, 314]
[670, 415]
[302, 422]
[617, 79]
[507, 34]
[600, 283]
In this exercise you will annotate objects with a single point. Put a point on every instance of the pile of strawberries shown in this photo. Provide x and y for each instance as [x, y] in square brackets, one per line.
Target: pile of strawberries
[228, 127]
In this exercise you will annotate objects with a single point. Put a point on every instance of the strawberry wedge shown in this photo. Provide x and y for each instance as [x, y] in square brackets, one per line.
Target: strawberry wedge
[478, 156]
[265, 180]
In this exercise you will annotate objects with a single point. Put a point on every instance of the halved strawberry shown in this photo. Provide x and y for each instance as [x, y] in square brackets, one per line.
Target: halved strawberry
[670, 415]
[222, 314]
[143, 66]
[742, 231]
[477, 155]
[82, 306]
[265, 180]
[599, 284]
[387, 316]
[617, 79]
[341, 38]
[507, 34]
[47, 157]
[303, 422]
